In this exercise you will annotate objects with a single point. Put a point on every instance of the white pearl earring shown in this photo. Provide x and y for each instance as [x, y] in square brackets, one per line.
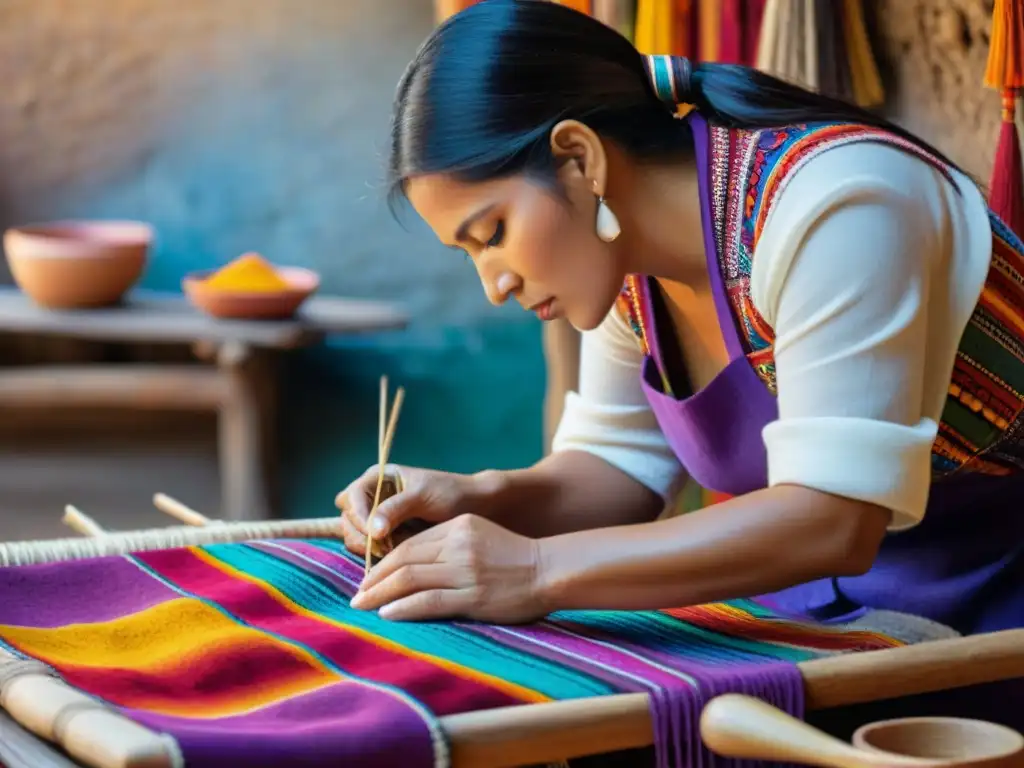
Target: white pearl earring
[607, 225]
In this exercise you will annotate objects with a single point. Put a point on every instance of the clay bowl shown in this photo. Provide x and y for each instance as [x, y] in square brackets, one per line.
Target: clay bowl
[77, 264]
[241, 305]
[946, 741]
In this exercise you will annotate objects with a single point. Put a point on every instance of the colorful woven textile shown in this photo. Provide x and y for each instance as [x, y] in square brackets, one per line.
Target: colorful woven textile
[250, 653]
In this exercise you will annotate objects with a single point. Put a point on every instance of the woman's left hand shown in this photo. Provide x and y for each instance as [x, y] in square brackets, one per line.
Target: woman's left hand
[467, 567]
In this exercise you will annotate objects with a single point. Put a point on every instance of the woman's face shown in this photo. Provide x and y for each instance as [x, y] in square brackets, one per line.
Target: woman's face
[526, 242]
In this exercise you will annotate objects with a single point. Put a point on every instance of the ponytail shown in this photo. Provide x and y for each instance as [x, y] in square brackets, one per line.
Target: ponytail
[483, 93]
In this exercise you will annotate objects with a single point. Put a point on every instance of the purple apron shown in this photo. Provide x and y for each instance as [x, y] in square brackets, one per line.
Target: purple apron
[962, 566]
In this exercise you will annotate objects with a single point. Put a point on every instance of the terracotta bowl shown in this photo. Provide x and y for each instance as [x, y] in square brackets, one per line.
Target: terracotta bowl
[77, 264]
[241, 305]
[945, 741]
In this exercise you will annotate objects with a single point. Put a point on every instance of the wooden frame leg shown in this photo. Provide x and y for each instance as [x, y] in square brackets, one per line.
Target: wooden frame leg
[241, 437]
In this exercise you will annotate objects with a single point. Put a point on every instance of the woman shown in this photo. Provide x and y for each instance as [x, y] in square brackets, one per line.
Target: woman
[790, 299]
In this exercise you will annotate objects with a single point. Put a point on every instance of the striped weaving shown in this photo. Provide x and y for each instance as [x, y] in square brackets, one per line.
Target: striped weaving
[249, 654]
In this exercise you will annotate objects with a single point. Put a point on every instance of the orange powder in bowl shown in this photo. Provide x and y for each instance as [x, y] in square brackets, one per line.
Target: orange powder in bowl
[249, 273]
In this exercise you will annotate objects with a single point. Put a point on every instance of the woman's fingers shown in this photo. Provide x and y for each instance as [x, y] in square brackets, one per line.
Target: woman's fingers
[432, 605]
[354, 539]
[414, 551]
[357, 499]
[406, 580]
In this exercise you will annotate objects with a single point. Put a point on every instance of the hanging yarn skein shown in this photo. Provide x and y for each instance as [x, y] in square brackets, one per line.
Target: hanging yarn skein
[821, 45]
[620, 15]
[1005, 72]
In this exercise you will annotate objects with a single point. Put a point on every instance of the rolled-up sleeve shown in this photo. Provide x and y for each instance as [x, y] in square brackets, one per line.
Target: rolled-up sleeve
[846, 280]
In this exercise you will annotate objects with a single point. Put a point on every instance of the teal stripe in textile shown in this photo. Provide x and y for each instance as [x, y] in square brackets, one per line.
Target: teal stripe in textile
[438, 640]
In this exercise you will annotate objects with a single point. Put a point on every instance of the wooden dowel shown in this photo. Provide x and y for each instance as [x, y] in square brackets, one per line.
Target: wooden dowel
[81, 523]
[179, 511]
[922, 668]
[94, 735]
[543, 733]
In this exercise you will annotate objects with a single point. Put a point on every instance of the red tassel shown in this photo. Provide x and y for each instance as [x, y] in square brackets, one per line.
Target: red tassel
[1006, 188]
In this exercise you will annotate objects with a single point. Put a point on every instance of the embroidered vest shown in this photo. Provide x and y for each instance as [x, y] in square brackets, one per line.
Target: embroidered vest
[982, 424]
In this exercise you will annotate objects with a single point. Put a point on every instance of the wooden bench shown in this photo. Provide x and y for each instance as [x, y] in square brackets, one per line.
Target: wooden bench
[239, 380]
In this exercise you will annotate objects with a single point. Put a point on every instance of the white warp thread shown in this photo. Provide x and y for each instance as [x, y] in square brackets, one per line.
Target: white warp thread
[121, 543]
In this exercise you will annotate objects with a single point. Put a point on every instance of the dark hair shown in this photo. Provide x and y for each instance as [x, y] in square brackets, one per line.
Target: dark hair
[482, 94]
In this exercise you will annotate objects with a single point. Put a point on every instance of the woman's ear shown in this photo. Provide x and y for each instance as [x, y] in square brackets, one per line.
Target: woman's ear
[580, 155]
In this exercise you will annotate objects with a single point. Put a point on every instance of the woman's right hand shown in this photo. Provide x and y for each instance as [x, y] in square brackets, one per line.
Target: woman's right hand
[421, 494]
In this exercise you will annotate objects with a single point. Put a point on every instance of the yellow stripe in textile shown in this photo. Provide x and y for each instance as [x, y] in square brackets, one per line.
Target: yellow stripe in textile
[143, 640]
[168, 644]
[516, 691]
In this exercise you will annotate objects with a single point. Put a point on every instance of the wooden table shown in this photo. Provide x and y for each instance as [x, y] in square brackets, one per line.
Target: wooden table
[238, 381]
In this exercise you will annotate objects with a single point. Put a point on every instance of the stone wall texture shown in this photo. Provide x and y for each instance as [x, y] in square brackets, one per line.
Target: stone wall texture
[933, 53]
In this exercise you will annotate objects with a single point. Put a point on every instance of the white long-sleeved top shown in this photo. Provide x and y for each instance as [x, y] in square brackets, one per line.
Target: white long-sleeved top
[868, 269]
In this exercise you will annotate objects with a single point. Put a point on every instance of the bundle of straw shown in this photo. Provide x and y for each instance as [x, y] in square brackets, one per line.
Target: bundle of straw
[1005, 72]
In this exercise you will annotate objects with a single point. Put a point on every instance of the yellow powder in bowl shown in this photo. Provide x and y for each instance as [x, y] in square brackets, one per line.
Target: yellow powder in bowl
[249, 273]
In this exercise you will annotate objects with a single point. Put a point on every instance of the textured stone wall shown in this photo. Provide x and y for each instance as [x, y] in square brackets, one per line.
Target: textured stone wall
[933, 53]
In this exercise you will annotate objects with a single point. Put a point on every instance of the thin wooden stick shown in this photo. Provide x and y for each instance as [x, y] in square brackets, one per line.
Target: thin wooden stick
[382, 460]
[179, 511]
[78, 521]
[372, 547]
[382, 420]
[535, 734]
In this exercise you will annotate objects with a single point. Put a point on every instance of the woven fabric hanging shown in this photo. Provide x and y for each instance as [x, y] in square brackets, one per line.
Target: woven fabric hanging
[658, 28]
[821, 45]
[620, 15]
[1005, 72]
[738, 27]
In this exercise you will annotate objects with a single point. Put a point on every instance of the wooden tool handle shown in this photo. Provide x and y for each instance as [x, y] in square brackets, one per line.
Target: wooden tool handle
[744, 727]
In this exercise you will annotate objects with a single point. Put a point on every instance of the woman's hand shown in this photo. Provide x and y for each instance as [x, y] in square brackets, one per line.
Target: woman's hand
[422, 494]
[467, 567]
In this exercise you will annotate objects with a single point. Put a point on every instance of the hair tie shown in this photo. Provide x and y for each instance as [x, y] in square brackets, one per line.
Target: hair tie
[671, 78]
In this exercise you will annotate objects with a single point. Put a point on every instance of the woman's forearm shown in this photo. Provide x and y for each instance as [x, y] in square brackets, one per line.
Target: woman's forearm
[565, 492]
[754, 544]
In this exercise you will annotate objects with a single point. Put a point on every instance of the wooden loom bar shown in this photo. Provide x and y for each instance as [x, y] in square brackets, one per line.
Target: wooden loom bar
[542, 733]
[92, 733]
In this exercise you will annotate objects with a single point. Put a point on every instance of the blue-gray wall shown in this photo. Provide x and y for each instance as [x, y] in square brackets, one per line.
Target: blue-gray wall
[238, 125]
